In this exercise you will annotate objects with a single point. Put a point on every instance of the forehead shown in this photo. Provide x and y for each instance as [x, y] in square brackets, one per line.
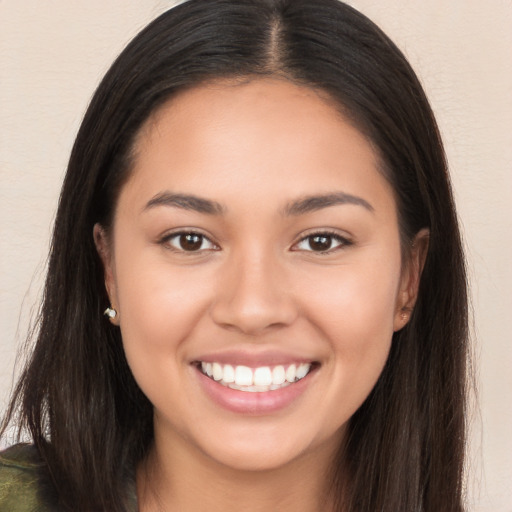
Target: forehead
[243, 92]
[232, 136]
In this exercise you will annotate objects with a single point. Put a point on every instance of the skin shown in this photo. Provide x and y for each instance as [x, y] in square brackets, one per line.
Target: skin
[254, 284]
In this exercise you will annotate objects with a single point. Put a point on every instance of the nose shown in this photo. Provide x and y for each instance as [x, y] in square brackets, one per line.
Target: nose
[254, 296]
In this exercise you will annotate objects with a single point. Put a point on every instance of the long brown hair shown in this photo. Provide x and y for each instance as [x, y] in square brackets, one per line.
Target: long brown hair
[77, 397]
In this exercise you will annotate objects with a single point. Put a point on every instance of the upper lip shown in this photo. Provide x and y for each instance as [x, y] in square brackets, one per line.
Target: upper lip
[253, 359]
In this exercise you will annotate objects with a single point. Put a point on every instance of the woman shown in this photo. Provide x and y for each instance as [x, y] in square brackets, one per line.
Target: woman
[258, 200]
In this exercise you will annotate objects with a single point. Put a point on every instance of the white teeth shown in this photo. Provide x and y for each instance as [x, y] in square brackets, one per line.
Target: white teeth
[229, 374]
[250, 389]
[263, 378]
[291, 373]
[278, 375]
[302, 370]
[243, 376]
[217, 371]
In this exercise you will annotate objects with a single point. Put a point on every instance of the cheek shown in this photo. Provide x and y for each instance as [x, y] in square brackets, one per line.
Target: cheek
[354, 312]
[160, 308]
[356, 297]
[159, 304]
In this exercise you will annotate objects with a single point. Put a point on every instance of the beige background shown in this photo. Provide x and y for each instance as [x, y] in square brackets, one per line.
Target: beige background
[54, 52]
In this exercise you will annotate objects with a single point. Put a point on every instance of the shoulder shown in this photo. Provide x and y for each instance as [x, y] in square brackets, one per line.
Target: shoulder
[24, 484]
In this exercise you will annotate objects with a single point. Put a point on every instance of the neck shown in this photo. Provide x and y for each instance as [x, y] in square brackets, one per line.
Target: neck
[182, 478]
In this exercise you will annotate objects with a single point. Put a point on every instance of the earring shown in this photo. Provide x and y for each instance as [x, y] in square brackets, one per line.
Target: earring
[110, 312]
[405, 313]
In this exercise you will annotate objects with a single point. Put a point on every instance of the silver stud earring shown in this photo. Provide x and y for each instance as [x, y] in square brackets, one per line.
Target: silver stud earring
[110, 312]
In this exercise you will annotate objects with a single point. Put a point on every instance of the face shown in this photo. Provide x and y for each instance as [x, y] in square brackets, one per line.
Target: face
[255, 264]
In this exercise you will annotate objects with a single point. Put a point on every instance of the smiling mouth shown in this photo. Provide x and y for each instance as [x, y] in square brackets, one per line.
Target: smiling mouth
[256, 380]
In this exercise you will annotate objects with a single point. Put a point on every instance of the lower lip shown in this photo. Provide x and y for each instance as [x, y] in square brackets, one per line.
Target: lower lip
[253, 403]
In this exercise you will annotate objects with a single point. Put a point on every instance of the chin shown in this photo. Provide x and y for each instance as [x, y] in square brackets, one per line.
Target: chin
[255, 459]
[263, 449]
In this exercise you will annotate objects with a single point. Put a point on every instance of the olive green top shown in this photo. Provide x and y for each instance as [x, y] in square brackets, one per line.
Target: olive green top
[25, 485]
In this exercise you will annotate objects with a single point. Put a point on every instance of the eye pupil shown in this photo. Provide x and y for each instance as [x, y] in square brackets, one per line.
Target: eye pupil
[320, 242]
[191, 241]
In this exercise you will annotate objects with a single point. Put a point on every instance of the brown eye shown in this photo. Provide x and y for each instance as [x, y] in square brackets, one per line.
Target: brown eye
[322, 243]
[189, 242]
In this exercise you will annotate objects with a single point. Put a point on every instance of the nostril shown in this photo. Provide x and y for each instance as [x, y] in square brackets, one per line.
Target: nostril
[253, 297]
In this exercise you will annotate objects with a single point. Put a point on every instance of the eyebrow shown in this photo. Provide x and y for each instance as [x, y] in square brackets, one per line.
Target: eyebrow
[300, 206]
[318, 202]
[185, 202]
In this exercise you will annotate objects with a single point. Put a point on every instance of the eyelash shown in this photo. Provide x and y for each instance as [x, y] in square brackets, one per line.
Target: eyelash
[331, 235]
[167, 240]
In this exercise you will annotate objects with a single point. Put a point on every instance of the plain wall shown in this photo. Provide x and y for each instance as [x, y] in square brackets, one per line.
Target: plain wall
[54, 52]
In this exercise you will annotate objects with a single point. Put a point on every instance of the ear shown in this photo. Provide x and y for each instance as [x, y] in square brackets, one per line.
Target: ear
[410, 279]
[103, 246]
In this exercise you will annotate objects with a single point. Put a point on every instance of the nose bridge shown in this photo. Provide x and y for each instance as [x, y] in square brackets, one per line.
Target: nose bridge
[253, 293]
